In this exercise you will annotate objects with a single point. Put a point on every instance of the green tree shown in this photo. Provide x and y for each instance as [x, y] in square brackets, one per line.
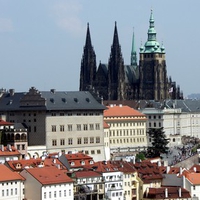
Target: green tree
[159, 143]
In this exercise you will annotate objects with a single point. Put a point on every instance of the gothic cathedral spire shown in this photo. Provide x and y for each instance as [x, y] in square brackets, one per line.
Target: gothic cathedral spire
[133, 52]
[88, 65]
[116, 74]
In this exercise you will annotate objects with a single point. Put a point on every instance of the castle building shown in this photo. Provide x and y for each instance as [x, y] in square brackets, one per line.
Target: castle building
[116, 81]
[57, 121]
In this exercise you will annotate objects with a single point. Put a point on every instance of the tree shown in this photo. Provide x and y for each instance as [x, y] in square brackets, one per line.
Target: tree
[159, 143]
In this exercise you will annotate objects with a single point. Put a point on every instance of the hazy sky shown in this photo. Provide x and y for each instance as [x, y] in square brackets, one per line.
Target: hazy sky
[41, 41]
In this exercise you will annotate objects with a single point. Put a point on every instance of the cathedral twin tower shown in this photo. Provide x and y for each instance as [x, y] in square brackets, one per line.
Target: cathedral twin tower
[117, 81]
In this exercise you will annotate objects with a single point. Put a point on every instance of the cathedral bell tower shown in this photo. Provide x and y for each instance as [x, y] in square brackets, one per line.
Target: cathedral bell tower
[152, 68]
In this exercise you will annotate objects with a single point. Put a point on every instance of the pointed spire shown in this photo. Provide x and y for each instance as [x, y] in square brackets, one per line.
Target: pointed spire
[133, 51]
[151, 31]
[115, 38]
[88, 42]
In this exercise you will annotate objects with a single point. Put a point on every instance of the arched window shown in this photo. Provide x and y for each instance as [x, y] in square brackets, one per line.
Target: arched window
[23, 136]
[17, 136]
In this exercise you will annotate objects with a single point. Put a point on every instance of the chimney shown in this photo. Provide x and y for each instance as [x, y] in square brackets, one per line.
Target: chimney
[168, 169]
[195, 169]
[166, 193]
[12, 92]
[53, 91]
[179, 192]
[181, 171]
[2, 147]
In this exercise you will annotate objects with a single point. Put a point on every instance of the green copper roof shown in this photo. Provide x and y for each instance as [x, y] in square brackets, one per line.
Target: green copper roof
[152, 46]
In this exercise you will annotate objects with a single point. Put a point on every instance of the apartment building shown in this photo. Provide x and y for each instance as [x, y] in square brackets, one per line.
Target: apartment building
[11, 184]
[127, 130]
[47, 183]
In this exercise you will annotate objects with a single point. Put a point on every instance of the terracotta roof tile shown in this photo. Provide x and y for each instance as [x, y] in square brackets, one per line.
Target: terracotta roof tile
[172, 193]
[4, 123]
[121, 111]
[49, 175]
[86, 174]
[9, 152]
[194, 178]
[7, 175]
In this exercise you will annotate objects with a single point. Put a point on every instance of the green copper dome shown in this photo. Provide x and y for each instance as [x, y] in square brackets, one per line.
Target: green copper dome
[152, 46]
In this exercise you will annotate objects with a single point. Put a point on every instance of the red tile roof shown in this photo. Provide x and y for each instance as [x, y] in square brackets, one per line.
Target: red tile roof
[86, 174]
[9, 152]
[105, 125]
[19, 165]
[49, 175]
[148, 171]
[172, 193]
[7, 175]
[102, 166]
[124, 166]
[122, 111]
[194, 178]
[4, 123]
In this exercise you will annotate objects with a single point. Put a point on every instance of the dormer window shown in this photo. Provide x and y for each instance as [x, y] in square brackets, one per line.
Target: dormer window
[18, 166]
[72, 163]
[82, 162]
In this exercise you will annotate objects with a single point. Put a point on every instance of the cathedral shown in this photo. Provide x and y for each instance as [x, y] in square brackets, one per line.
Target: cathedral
[114, 80]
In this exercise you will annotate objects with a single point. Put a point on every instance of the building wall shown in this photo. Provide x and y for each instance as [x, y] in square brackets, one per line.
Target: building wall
[62, 191]
[126, 132]
[76, 131]
[11, 190]
[32, 187]
[34, 120]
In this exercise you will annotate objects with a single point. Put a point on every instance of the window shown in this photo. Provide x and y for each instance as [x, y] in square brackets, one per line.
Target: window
[53, 128]
[85, 140]
[15, 191]
[2, 193]
[154, 124]
[78, 140]
[98, 151]
[18, 147]
[86, 152]
[49, 194]
[7, 192]
[65, 193]
[70, 127]
[91, 140]
[97, 126]
[91, 126]
[70, 192]
[35, 129]
[62, 128]
[45, 195]
[55, 194]
[78, 127]
[62, 141]
[70, 141]
[23, 146]
[60, 193]
[97, 139]
[62, 114]
[54, 142]
[85, 127]
[92, 152]
[53, 114]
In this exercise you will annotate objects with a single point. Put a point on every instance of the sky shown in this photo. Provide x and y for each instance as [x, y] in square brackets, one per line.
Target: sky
[41, 41]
